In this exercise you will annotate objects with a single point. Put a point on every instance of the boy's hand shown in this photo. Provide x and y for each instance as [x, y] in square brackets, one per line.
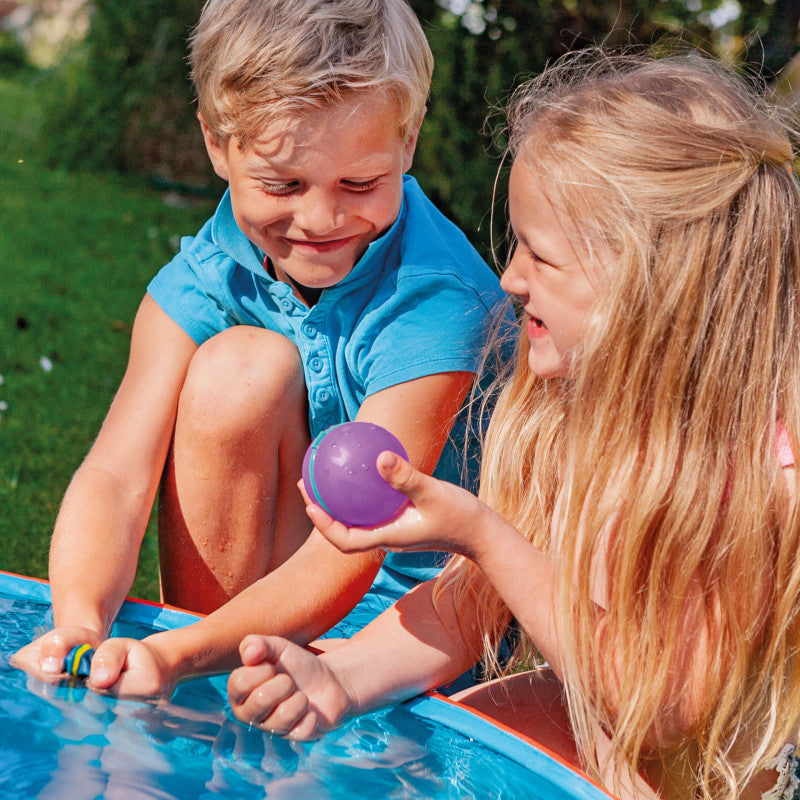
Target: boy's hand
[441, 516]
[286, 690]
[130, 668]
[44, 657]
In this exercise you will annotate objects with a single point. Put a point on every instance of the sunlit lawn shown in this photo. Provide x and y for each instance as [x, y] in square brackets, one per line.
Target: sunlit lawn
[76, 253]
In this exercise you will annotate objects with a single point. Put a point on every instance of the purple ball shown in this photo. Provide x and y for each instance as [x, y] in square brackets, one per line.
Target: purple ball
[339, 474]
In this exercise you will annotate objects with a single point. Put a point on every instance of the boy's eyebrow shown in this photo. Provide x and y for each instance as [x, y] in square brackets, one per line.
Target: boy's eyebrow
[376, 163]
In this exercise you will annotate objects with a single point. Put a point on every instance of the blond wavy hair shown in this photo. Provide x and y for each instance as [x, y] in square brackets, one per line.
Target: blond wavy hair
[665, 433]
[256, 60]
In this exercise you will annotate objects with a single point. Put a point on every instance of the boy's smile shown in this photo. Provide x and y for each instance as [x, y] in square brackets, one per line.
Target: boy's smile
[314, 191]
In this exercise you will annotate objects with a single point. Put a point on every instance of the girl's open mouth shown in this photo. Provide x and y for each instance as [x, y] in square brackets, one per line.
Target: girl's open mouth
[536, 328]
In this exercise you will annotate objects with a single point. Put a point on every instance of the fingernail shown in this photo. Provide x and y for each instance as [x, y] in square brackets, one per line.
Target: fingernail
[101, 675]
[52, 666]
[389, 460]
[250, 651]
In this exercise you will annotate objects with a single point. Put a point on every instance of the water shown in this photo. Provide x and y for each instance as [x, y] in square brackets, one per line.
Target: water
[67, 742]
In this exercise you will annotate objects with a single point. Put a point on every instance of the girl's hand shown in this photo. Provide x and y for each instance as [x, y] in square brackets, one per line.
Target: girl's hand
[286, 690]
[44, 657]
[440, 516]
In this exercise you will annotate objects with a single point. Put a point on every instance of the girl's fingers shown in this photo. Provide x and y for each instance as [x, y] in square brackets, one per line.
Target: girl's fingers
[284, 707]
[244, 681]
[302, 487]
[348, 540]
[273, 704]
[398, 473]
[253, 649]
[307, 728]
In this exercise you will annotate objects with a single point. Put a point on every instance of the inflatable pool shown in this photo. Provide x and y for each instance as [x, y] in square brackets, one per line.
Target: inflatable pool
[67, 742]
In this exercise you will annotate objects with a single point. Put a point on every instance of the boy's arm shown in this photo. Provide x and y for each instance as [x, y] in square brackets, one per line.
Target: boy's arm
[311, 591]
[411, 647]
[104, 514]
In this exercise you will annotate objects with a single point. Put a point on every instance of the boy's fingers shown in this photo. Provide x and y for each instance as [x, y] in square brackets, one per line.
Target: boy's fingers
[51, 656]
[107, 663]
[55, 645]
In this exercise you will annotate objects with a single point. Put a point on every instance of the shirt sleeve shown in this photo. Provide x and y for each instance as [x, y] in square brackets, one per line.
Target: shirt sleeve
[184, 291]
[431, 323]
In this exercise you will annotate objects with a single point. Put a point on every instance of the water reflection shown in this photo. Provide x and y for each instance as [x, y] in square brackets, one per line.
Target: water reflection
[64, 741]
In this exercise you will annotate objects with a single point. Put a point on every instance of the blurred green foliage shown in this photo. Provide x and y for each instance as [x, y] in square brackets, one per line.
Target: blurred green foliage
[78, 250]
[13, 56]
[120, 99]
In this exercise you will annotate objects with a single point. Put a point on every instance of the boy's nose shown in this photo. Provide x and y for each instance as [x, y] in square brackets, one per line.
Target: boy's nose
[318, 213]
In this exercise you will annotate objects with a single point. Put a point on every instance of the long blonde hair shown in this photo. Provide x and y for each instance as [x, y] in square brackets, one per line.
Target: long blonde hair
[665, 434]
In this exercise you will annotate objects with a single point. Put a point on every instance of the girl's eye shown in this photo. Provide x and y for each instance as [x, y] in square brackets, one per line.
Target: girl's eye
[531, 256]
[361, 186]
[538, 261]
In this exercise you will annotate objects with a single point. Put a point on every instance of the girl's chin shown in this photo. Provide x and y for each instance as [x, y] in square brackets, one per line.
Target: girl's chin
[546, 368]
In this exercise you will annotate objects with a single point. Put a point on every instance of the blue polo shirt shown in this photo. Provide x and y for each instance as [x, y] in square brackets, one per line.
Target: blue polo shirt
[417, 303]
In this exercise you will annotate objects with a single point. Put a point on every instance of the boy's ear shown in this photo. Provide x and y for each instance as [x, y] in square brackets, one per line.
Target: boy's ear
[411, 145]
[217, 150]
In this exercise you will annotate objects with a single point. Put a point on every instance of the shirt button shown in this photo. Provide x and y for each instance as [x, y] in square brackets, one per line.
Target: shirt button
[323, 395]
[316, 364]
[309, 330]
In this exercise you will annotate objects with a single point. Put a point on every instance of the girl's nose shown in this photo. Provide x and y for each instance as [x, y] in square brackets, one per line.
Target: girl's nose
[513, 278]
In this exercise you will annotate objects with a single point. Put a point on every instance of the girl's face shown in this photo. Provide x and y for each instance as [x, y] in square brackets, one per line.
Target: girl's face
[547, 275]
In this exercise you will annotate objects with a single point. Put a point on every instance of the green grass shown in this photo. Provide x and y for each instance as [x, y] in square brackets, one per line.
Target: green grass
[76, 254]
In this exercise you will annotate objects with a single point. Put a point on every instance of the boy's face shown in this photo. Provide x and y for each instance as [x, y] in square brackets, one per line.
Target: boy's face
[313, 192]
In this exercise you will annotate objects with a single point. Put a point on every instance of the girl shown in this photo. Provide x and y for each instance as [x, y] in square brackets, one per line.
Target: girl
[640, 515]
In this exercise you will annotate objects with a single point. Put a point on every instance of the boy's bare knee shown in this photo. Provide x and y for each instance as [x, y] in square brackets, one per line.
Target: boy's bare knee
[242, 374]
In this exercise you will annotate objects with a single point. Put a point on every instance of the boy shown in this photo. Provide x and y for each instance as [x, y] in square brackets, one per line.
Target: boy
[326, 287]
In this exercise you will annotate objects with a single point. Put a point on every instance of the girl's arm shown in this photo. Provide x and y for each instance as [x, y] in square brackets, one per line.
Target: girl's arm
[414, 645]
[445, 517]
[104, 514]
[411, 647]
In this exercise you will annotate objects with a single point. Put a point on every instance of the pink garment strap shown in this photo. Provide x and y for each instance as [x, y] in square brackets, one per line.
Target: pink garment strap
[783, 447]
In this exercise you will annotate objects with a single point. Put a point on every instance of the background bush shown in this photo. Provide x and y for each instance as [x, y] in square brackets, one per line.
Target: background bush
[121, 99]
[93, 150]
